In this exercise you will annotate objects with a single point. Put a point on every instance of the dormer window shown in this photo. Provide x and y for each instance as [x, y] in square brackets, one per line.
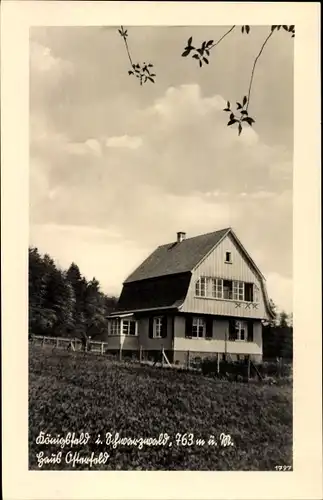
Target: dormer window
[228, 257]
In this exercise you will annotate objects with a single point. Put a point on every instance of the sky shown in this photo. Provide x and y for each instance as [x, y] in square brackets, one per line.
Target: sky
[116, 168]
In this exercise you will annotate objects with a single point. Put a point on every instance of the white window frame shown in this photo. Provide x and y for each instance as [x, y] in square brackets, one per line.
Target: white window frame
[213, 288]
[127, 330]
[239, 327]
[197, 324]
[238, 290]
[201, 287]
[114, 326]
[217, 288]
[157, 327]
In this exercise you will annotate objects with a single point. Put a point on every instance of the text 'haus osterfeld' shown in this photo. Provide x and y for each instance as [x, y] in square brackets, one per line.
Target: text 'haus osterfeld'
[203, 294]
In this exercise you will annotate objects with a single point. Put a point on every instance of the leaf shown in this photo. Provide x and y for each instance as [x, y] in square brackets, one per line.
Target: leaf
[152, 74]
[278, 27]
[200, 62]
[231, 122]
[231, 116]
[228, 104]
[239, 106]
[196, 56]
[130, 72]
[291, 28]
[285, 28]
[207, 52]
[244, 112]
[200, 51]
[247, 29]
[245, 100]
[210, 42]
[151, 79]
[189, 41]
[273, 28]
[120, 32]
[205, 60]
[239, 129]
[150, 65]
[227, 109]
[242, 29]
[249, 120]
[203, 45]
[186, 52]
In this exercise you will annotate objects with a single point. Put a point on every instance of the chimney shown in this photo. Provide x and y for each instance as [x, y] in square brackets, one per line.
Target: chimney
[180, 236]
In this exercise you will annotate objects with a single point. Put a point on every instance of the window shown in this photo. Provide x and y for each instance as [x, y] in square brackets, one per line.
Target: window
[227, 290]
[241, 329]
[228, 257]
[157, 328]
[248, 292]
[198, 327]
[201, 287]
[217, 288]
[129, 327]
[114, 327]
[238, 290]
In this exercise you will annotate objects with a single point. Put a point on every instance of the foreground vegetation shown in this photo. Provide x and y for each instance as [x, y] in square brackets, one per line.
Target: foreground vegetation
[75, 392]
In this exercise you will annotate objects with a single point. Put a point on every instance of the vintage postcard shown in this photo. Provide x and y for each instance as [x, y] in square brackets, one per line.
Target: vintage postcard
[161, 251]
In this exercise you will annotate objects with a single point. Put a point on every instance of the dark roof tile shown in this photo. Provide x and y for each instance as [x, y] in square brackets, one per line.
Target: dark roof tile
[174, 258]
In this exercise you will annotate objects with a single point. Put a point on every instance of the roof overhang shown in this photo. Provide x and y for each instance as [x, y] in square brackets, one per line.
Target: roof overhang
[124, 314]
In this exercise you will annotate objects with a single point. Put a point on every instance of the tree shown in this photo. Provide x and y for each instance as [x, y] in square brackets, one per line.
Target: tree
[41, 317]
[144, 72]
[60, 298]
[283, 319]
[95, 310]
[63, 303]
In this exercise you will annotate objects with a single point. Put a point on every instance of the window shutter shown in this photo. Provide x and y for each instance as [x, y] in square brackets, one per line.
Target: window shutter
[188, 326]
[232, 329]
[164, 327]
[209, 327]
[250, 331]
[151, 328]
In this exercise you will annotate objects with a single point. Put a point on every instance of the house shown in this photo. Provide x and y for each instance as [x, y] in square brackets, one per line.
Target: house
[203, 294]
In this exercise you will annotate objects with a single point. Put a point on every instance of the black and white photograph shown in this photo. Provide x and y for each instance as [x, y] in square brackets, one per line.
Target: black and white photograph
[160, 259]
[160, 275]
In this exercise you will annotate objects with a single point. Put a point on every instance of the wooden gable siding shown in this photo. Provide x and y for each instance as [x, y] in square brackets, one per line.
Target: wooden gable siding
[214, 266]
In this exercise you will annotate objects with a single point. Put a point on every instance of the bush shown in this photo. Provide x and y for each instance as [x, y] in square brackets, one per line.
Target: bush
[238, 370]
[232, 370]
[274, 369]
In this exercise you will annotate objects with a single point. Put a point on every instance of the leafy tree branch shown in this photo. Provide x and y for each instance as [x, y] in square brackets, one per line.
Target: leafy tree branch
[141, 71]
[202, 53]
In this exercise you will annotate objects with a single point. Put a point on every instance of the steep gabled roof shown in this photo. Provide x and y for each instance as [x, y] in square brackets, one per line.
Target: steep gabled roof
[162, 280]
[175, 258]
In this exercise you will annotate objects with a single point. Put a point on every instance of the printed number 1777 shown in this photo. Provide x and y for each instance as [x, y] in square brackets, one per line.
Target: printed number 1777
[283, 467]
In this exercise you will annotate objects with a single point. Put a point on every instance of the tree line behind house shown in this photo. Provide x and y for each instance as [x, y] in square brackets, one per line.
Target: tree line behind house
[63, 303]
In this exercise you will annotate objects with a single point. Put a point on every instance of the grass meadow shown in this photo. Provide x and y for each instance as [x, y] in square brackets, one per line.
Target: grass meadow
[126, 411]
